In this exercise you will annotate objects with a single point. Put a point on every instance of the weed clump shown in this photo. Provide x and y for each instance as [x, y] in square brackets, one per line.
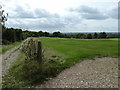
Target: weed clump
[35, 67]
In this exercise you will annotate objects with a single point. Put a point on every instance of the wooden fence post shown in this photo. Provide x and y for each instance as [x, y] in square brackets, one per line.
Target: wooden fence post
[39, 51]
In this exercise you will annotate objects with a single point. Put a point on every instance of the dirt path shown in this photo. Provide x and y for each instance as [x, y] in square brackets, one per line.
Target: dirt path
[8, 58]
[98, 73]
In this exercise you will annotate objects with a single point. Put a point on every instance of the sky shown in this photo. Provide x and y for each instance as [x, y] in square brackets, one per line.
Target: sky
[62, 15]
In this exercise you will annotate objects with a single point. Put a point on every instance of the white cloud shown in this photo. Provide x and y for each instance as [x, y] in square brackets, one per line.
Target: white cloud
[89, 13]
[54, 15]
[113, 12]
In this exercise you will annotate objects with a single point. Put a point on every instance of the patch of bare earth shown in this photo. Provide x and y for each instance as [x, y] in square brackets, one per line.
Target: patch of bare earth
[98, 73]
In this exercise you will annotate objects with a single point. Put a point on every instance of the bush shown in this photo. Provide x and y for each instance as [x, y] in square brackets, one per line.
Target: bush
[5, 42]
[35, 72]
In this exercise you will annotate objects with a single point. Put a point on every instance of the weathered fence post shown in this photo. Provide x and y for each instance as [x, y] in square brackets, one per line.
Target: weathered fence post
[39, 51]
[32, 49]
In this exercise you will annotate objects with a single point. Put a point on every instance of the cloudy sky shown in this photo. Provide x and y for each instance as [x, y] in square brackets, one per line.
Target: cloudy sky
[62, 15]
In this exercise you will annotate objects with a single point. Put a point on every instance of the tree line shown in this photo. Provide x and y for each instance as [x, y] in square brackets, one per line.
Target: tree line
[10, 35]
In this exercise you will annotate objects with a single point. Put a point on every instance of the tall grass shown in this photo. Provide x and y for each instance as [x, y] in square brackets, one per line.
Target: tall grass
[0, 49]
[5, 48]
[28, 74]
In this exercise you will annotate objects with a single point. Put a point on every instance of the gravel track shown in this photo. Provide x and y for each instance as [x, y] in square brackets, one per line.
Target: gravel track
[98, 73]
[8, 58]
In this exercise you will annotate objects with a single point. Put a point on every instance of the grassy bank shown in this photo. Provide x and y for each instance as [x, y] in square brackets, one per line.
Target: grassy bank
[59, 53]
[0, 49]
[5, 48]
[32, 73]
[12, 78]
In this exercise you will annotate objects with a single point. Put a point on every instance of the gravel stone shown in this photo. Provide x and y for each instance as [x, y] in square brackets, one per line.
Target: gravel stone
[8, 58]
[98, 73]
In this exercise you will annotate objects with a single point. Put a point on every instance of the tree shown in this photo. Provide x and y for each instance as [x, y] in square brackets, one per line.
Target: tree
[46, 34]
[89, 36]
[3, 16]
[40, 33]
[95, 35]
[9, 35]
[83, 36]
[18, 34]
[102, 35]
[56, 34]
[77, 35]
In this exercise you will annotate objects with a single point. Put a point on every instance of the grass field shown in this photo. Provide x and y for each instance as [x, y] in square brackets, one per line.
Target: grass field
[79, 49]
[69, 51]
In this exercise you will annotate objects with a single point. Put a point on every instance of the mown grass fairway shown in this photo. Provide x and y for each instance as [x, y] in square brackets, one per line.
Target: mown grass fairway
[75, 50]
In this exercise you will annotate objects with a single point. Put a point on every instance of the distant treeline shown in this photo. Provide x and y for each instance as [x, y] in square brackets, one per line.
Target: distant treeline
[10, 35]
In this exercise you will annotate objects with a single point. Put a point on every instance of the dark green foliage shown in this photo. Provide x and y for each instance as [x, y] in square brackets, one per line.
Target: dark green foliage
[102, 35]
[113, 35]
[43, 34]
[82, 36]
[95, 35]
[89, 36]
[57, 34]
[3, 16]
[40, 33]
[78, 35]
[11, 35]
[46, 34]
[5, 42]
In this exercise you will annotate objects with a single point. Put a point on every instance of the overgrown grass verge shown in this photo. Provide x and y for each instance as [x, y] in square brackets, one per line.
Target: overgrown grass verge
[28, 74]
[0, 49]
[11, 79]
[5, 48]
